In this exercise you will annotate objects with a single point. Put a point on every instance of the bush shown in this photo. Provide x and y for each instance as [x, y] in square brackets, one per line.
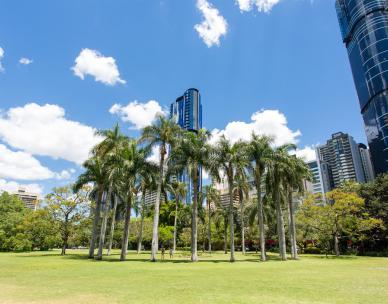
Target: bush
[312, 250]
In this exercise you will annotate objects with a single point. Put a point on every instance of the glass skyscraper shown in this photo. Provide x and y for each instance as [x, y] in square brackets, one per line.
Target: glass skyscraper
[364, 27]
[186, 111]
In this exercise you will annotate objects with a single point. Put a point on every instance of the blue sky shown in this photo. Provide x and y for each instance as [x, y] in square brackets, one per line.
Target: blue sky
[286, 57]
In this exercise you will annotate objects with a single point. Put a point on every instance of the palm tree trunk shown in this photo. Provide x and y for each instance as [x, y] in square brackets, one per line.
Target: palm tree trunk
[225, 234]
[280, 224]
[104, 223]
[336, 244]
[124, 246]
[194, 228]
[242, 222]
[175, 224]
[209, 230]
[140, 236]
[112, 226]
[155, 227]
[260, 218]
[96, 220]
[231, 220]
[292, 228]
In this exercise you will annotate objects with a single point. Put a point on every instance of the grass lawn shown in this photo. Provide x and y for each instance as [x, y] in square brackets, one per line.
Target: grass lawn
[46, 277]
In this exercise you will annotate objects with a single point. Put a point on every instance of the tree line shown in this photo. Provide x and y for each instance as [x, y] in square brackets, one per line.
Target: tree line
[264, 206]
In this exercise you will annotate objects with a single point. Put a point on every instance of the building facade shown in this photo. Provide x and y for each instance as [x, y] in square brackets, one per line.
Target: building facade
[364, 27]
[186, 111]
[340, 157]
[366, 163]
[321, 179]
[30, 200]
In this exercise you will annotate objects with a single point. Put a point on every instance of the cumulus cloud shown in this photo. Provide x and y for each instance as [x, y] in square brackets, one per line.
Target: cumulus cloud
[265, 122]
[264, 6]
[138, 114]
[19, 165]
[307, 153]
[1, 57]
[214, 25]
[93, 63]
[25, 61]
[44, 130]
[12, 186]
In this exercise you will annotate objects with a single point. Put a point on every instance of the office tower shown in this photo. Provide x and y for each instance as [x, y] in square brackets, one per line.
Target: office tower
[342, 157]
[364, 27]
[321, 179]
[366, 163]
[186, 111]
[30, 200]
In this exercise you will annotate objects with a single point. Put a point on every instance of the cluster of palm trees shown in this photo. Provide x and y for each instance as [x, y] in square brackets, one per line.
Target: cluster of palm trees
[121, 170]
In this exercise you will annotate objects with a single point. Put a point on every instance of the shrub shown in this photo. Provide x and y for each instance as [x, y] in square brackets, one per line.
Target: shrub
[312, 250]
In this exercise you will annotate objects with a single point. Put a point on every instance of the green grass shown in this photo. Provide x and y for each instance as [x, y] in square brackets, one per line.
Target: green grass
[46, 277]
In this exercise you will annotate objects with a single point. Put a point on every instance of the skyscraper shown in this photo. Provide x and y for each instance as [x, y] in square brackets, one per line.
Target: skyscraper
[364, 27]
[186, 111]
[342, 157]
[366, 163]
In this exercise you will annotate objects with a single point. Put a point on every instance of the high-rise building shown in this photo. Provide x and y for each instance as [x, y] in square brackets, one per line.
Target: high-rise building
[366, 163]
[321, 180]
[30, 200]
[364, 27]
[342, 157]
[186, 111]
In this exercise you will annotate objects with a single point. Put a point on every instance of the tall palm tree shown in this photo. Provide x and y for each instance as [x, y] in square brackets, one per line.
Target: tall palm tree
[95, 172]
[162, 133]
[277, 170]
[192, 154]
[178, 190]
[230, 159]
[212, 198]
[241, 190]
[134, 163]
[260, 153]
[113, 222]
[146, 184]
[297, 173]
[109, 149]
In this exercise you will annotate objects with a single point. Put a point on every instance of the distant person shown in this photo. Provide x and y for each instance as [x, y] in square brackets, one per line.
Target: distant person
[163, 251]
[171, 253]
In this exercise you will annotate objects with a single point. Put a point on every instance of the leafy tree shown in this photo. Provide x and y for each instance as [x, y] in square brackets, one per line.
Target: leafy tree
[68, 209]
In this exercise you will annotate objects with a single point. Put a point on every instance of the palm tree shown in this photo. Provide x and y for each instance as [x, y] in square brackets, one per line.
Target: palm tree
[109, 149]
[277, 170]
[212, 197]
[231, 159]
[294, 177]
[147, 176]
[112, 225]
[191, 155]
[134, 165]
[178, 190]
[242, 192]
[95, 172]
[259, 152]
[161, 134]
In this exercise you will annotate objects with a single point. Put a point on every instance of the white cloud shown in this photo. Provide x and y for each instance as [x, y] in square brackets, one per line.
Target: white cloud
[44, 130]
[25, 61]
[213, 26]
[103, 69]
[138, 114]
[155, 155]
[1, 57]
[20, 165]
[265, 122]
[264, 6]
[12, 186]
[307, 153]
